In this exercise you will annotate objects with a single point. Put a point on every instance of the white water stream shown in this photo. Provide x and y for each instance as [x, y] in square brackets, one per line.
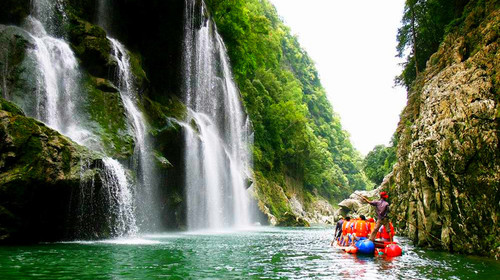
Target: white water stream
[147, 199]
[217, 137]
[119, 189]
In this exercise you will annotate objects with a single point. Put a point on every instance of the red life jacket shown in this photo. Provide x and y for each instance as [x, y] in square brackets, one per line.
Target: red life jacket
[385, 234]
[360, 228]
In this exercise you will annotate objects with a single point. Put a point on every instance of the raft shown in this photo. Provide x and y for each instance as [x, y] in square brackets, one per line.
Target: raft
[383, 244]
[340, 247]
[390, 250]
[382, 248]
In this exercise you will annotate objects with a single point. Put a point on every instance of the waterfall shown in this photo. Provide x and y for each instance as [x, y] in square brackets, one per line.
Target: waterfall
[110, 208]
[103, 14]
[46, 11]
[119, 190]
[56, 102]
[5, 93]
[217, 137]
[148, 205]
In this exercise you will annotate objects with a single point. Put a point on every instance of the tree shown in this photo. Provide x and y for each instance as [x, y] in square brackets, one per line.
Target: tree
[423, 28]
[379, 162]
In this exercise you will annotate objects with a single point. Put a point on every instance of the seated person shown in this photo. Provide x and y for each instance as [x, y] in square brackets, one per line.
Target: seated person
[361, 228]
[346, 232]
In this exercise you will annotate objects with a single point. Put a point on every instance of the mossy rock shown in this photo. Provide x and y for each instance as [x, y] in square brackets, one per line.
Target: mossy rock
[36, 140]
[13, 42]
[290, 220]
[40, 178]
[10, 107]
[163, 118]
[165, 129]
[272, 196]
[161, 161]
[160, 113]
[104, 85]
[140, 78]
[85, 9]
[106, 110]
[91, 46]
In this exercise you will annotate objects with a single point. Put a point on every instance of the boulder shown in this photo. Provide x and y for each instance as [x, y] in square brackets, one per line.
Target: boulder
[351, 204]
[42, 174]
[290, 219]
[91, 46]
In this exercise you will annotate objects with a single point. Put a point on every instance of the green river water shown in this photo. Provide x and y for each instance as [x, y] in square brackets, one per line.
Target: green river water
[264, 253]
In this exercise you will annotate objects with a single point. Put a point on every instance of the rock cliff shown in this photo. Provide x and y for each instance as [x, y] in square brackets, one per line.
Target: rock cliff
[445, 186]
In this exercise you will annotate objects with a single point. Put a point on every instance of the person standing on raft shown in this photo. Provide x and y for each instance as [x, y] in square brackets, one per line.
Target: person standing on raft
[382, 210]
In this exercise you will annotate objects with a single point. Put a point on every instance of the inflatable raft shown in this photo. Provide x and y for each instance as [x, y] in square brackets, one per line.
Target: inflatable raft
[379, 248]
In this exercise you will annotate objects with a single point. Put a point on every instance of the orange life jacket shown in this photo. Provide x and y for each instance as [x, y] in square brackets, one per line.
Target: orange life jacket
[385, 234]
[344, 227]
[360, 228]
[347, 227]
[371, 226]
[350, 226]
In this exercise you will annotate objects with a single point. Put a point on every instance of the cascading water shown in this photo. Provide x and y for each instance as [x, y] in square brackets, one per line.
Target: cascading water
[46, 12]
[148, 208]
[217, 134]
[4, 80]
[119, 190]
[110, 208]
[57, 82]
[57, 92]
[103, 14]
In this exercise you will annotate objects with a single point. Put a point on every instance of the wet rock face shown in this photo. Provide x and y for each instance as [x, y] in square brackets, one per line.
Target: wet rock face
[16, 77]
[446, 184]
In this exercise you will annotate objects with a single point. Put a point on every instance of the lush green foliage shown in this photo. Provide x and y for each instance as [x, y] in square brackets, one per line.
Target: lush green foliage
[424, 25]
[296, 131]
[379, 162]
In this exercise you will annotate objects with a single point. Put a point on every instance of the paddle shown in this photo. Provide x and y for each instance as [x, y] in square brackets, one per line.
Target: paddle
[363, 197]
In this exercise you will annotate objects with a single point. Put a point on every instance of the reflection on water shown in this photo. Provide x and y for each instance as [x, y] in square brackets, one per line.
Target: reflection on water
[268, 253]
